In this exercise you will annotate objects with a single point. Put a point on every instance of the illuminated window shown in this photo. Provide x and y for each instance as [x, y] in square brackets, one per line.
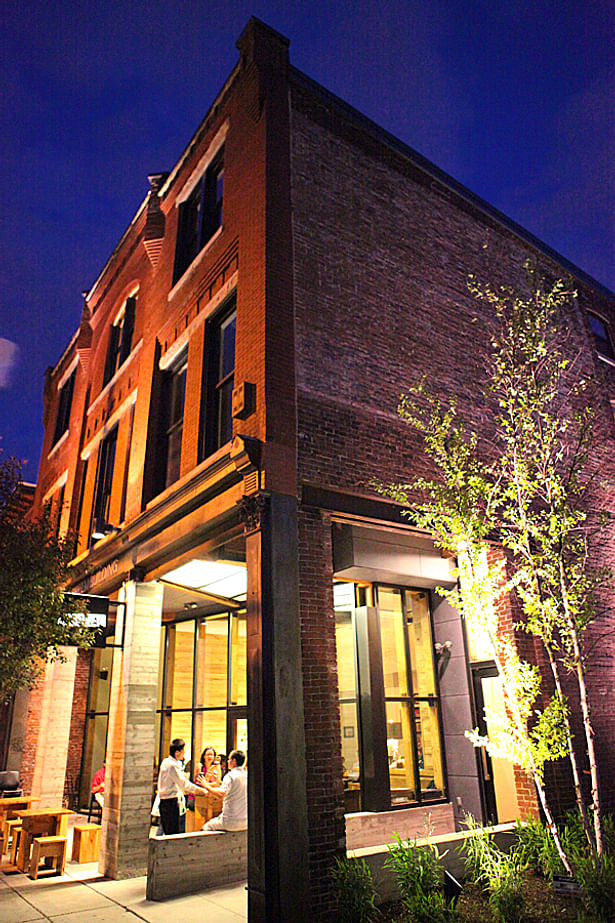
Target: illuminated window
[200, 216]
[391, 732]
[104, 483]
[173, 398]
[203, 685]
[219, 381]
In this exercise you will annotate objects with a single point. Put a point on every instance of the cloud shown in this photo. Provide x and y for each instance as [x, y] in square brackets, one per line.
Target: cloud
[9, 352]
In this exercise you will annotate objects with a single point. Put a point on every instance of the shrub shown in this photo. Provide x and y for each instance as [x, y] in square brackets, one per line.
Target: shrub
[596, 876]
[496, 872]
[420, 879]
[536, 849]
[354, 891]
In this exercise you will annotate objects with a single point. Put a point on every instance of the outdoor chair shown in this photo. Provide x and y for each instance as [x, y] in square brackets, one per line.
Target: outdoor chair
[94, 809]
[9, 784]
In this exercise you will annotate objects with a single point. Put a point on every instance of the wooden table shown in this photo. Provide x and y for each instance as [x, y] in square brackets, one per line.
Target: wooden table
[206, 807]
[9, 808]
[53, 822]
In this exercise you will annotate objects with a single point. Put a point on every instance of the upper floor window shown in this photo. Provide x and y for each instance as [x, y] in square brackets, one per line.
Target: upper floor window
[104, 483]
[173, 398]
[602, 337]
[65, 401]
[200, 215]
[58, 508]
[120, 340]
[218, 428]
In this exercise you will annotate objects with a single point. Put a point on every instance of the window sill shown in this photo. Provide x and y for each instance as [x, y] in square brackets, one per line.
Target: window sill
[187, 273]
[52, 451]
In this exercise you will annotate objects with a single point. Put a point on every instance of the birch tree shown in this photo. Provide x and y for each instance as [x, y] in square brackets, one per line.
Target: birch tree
[528, 483]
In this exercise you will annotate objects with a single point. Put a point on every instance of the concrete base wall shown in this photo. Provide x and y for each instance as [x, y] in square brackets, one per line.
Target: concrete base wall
[374, 829]
[58, 684]
[191, 862]
[453, 861]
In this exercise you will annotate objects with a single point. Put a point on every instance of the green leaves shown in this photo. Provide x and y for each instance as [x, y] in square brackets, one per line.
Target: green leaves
[34, 570]
[526, 483]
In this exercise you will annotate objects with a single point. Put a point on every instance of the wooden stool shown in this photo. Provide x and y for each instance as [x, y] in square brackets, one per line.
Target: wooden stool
[48, 847]
[86, 841]
[15, 844]
[11, 826]
[13, 831]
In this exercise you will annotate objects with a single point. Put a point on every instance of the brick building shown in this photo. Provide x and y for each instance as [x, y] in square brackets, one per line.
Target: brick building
[212, 434]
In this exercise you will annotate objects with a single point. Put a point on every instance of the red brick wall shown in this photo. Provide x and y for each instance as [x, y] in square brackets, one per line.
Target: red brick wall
[77, 725]
[382, 258]
[33, 723]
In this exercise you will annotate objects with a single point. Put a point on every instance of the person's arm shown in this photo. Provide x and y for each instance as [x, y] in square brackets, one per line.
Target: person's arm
[185, 784]
[220, 790]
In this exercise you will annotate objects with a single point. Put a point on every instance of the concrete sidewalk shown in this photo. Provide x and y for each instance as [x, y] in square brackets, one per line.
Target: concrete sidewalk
[83, 894]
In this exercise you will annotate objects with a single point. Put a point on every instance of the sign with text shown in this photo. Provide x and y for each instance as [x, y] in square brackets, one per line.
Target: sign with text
[94, 616]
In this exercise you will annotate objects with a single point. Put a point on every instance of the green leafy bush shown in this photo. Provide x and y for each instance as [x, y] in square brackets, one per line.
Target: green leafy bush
[596, 876]
[536, 849]
[354, 891]
[496, 872]
[420, 879]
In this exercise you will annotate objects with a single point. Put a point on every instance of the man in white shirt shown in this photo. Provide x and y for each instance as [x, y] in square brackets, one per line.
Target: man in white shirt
[172, 781]
[234, 791]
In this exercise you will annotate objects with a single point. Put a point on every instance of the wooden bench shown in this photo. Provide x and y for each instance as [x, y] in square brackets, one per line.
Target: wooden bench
[48, 847]
[86, 842]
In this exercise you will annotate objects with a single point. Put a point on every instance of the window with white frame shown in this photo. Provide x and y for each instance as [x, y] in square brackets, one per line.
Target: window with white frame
[120, 339]
[200, 215]
[65, 401]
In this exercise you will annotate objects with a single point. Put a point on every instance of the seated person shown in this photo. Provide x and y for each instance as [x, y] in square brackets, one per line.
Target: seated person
[171, 784]
[210, 768]
[98, 785]
[234, 791]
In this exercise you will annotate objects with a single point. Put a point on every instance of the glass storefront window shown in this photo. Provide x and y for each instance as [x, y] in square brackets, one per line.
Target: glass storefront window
[239, 654]
[428, 749]
[180, 663]
[97, 719]
[212, 662]
[347, 684]
[400, 752]
[209, 731]
[396, 664]
[211, 711]
[413, 725]
[393, 643]
[421, 645]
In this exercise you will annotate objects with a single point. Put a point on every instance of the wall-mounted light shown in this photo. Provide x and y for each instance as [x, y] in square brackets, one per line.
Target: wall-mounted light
[191, 605]
[102, 529]
[444, 647]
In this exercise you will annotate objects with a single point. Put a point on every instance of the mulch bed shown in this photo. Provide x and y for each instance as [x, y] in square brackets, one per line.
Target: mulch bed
[542, 905]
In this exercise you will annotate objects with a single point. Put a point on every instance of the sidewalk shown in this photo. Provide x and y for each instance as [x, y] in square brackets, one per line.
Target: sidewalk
[82, 894]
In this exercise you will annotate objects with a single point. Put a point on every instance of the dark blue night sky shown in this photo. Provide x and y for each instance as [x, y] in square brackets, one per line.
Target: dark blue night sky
[514, 99]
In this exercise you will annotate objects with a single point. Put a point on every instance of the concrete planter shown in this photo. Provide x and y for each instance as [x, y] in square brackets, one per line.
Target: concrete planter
[192, 862]
[449, 843]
